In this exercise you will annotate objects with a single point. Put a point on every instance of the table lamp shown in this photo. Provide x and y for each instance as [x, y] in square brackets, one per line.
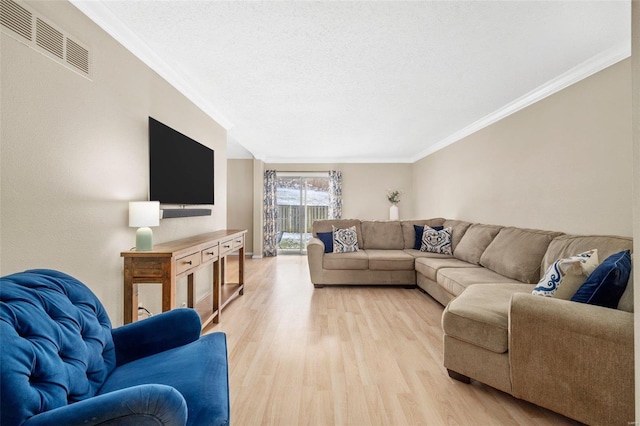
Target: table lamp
[143, 214]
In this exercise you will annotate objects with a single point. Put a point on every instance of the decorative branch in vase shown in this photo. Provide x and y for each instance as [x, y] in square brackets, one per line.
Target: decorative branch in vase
[394, 198]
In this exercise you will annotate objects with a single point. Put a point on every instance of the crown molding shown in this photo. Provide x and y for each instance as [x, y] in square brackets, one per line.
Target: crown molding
[334, 160]
[574, 75]
[100, 14]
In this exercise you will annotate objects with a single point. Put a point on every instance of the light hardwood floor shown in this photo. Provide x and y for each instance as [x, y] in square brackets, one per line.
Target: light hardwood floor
[347, 356]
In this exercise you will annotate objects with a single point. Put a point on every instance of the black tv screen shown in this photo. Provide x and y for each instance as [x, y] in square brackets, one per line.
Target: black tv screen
[180, 169]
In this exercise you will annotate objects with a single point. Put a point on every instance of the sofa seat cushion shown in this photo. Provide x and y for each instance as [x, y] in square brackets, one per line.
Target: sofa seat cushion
[207, 397]
[353, 260]
[390, 260]
[419, 254]
[456, 280]
[480, 315]
[429, 266]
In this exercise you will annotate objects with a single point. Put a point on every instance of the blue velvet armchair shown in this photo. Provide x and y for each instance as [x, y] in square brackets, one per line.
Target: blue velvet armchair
[63, 364]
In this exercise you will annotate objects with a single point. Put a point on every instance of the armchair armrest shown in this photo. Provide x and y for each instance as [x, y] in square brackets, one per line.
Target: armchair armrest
[158, 333]
[137, 405]
[315, 252]
[573, 358]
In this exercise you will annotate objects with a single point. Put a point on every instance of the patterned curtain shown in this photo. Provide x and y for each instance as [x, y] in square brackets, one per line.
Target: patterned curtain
[335, 194]
[270, 214]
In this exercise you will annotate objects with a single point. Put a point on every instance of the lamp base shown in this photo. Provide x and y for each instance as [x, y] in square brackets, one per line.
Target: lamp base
[144, 239]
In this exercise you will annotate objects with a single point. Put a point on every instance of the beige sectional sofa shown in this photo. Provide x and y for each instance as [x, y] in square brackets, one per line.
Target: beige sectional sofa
[573, 358]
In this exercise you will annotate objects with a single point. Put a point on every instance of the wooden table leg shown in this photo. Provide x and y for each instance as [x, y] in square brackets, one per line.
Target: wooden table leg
[168, 287]
[241, 270]
[190, 291]
[217, 290]
[223, 270]
[130, 293]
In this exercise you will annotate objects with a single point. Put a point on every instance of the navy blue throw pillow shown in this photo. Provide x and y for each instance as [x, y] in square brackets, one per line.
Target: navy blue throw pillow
[327, 239]
[419, 231]
[607, 282]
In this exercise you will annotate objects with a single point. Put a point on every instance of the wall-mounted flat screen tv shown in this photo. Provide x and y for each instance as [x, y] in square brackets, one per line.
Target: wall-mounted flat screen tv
[180, 169]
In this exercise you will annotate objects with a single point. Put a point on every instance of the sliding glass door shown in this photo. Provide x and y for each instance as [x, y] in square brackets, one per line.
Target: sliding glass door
[301, 199]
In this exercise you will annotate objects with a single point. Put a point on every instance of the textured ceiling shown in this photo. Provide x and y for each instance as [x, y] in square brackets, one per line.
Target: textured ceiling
[329, 81]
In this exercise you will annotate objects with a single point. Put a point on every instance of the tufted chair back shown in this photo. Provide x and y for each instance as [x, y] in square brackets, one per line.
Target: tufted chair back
[56, 346]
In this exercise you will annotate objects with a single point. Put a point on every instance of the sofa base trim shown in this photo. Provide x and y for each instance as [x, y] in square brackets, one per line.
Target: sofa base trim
[433, 289]
[459, 377]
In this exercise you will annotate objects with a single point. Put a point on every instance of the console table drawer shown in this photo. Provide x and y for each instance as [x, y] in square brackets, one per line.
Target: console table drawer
[210, 253]
[238, 242]
[185, 263]
[226, 247]
[147, 268]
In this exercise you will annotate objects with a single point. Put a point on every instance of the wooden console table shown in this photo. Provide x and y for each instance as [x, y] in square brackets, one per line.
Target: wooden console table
[174, 259]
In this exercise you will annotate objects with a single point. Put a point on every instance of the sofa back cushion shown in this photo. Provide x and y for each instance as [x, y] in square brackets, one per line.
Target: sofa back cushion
[458, 229]
[382, 235]
[517, 253]
[327, 225]
[475, 241]
[409, 233]
[56, 342]
[569, 245]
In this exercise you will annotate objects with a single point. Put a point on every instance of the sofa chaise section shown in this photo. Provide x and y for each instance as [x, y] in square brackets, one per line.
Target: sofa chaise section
[573, 358]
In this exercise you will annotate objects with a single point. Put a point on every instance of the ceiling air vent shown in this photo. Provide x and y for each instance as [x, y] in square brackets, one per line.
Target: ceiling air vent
[49, 38]
[16, 18]
[26, 25]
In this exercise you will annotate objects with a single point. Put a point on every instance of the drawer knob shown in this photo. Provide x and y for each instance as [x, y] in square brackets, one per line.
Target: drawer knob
[188, 262]
[227, 246]
[210, 253]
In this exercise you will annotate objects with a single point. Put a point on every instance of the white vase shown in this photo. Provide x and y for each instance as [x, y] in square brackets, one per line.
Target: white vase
[394, 214]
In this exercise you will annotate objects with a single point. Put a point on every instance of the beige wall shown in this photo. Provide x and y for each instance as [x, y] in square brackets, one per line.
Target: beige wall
[74, 153]
[240, 198]
[564, 163]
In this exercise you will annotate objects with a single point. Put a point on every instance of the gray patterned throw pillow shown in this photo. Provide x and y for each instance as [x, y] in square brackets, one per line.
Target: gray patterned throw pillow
[345, 240]
[436, 241]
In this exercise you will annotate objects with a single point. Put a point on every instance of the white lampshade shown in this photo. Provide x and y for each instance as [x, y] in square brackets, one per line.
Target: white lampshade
[144, 213]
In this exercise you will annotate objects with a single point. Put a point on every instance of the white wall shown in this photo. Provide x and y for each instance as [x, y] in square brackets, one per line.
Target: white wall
[564, 164]
[74, 153]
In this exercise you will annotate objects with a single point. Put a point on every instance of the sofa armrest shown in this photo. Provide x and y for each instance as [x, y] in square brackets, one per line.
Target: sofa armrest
[315, 252]
[155, 334]
[143, 404]
[573, 358]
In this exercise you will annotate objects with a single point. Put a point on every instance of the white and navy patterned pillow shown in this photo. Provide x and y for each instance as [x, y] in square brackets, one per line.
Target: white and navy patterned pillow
[345, 240]
[436, 241]
[570, 272]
